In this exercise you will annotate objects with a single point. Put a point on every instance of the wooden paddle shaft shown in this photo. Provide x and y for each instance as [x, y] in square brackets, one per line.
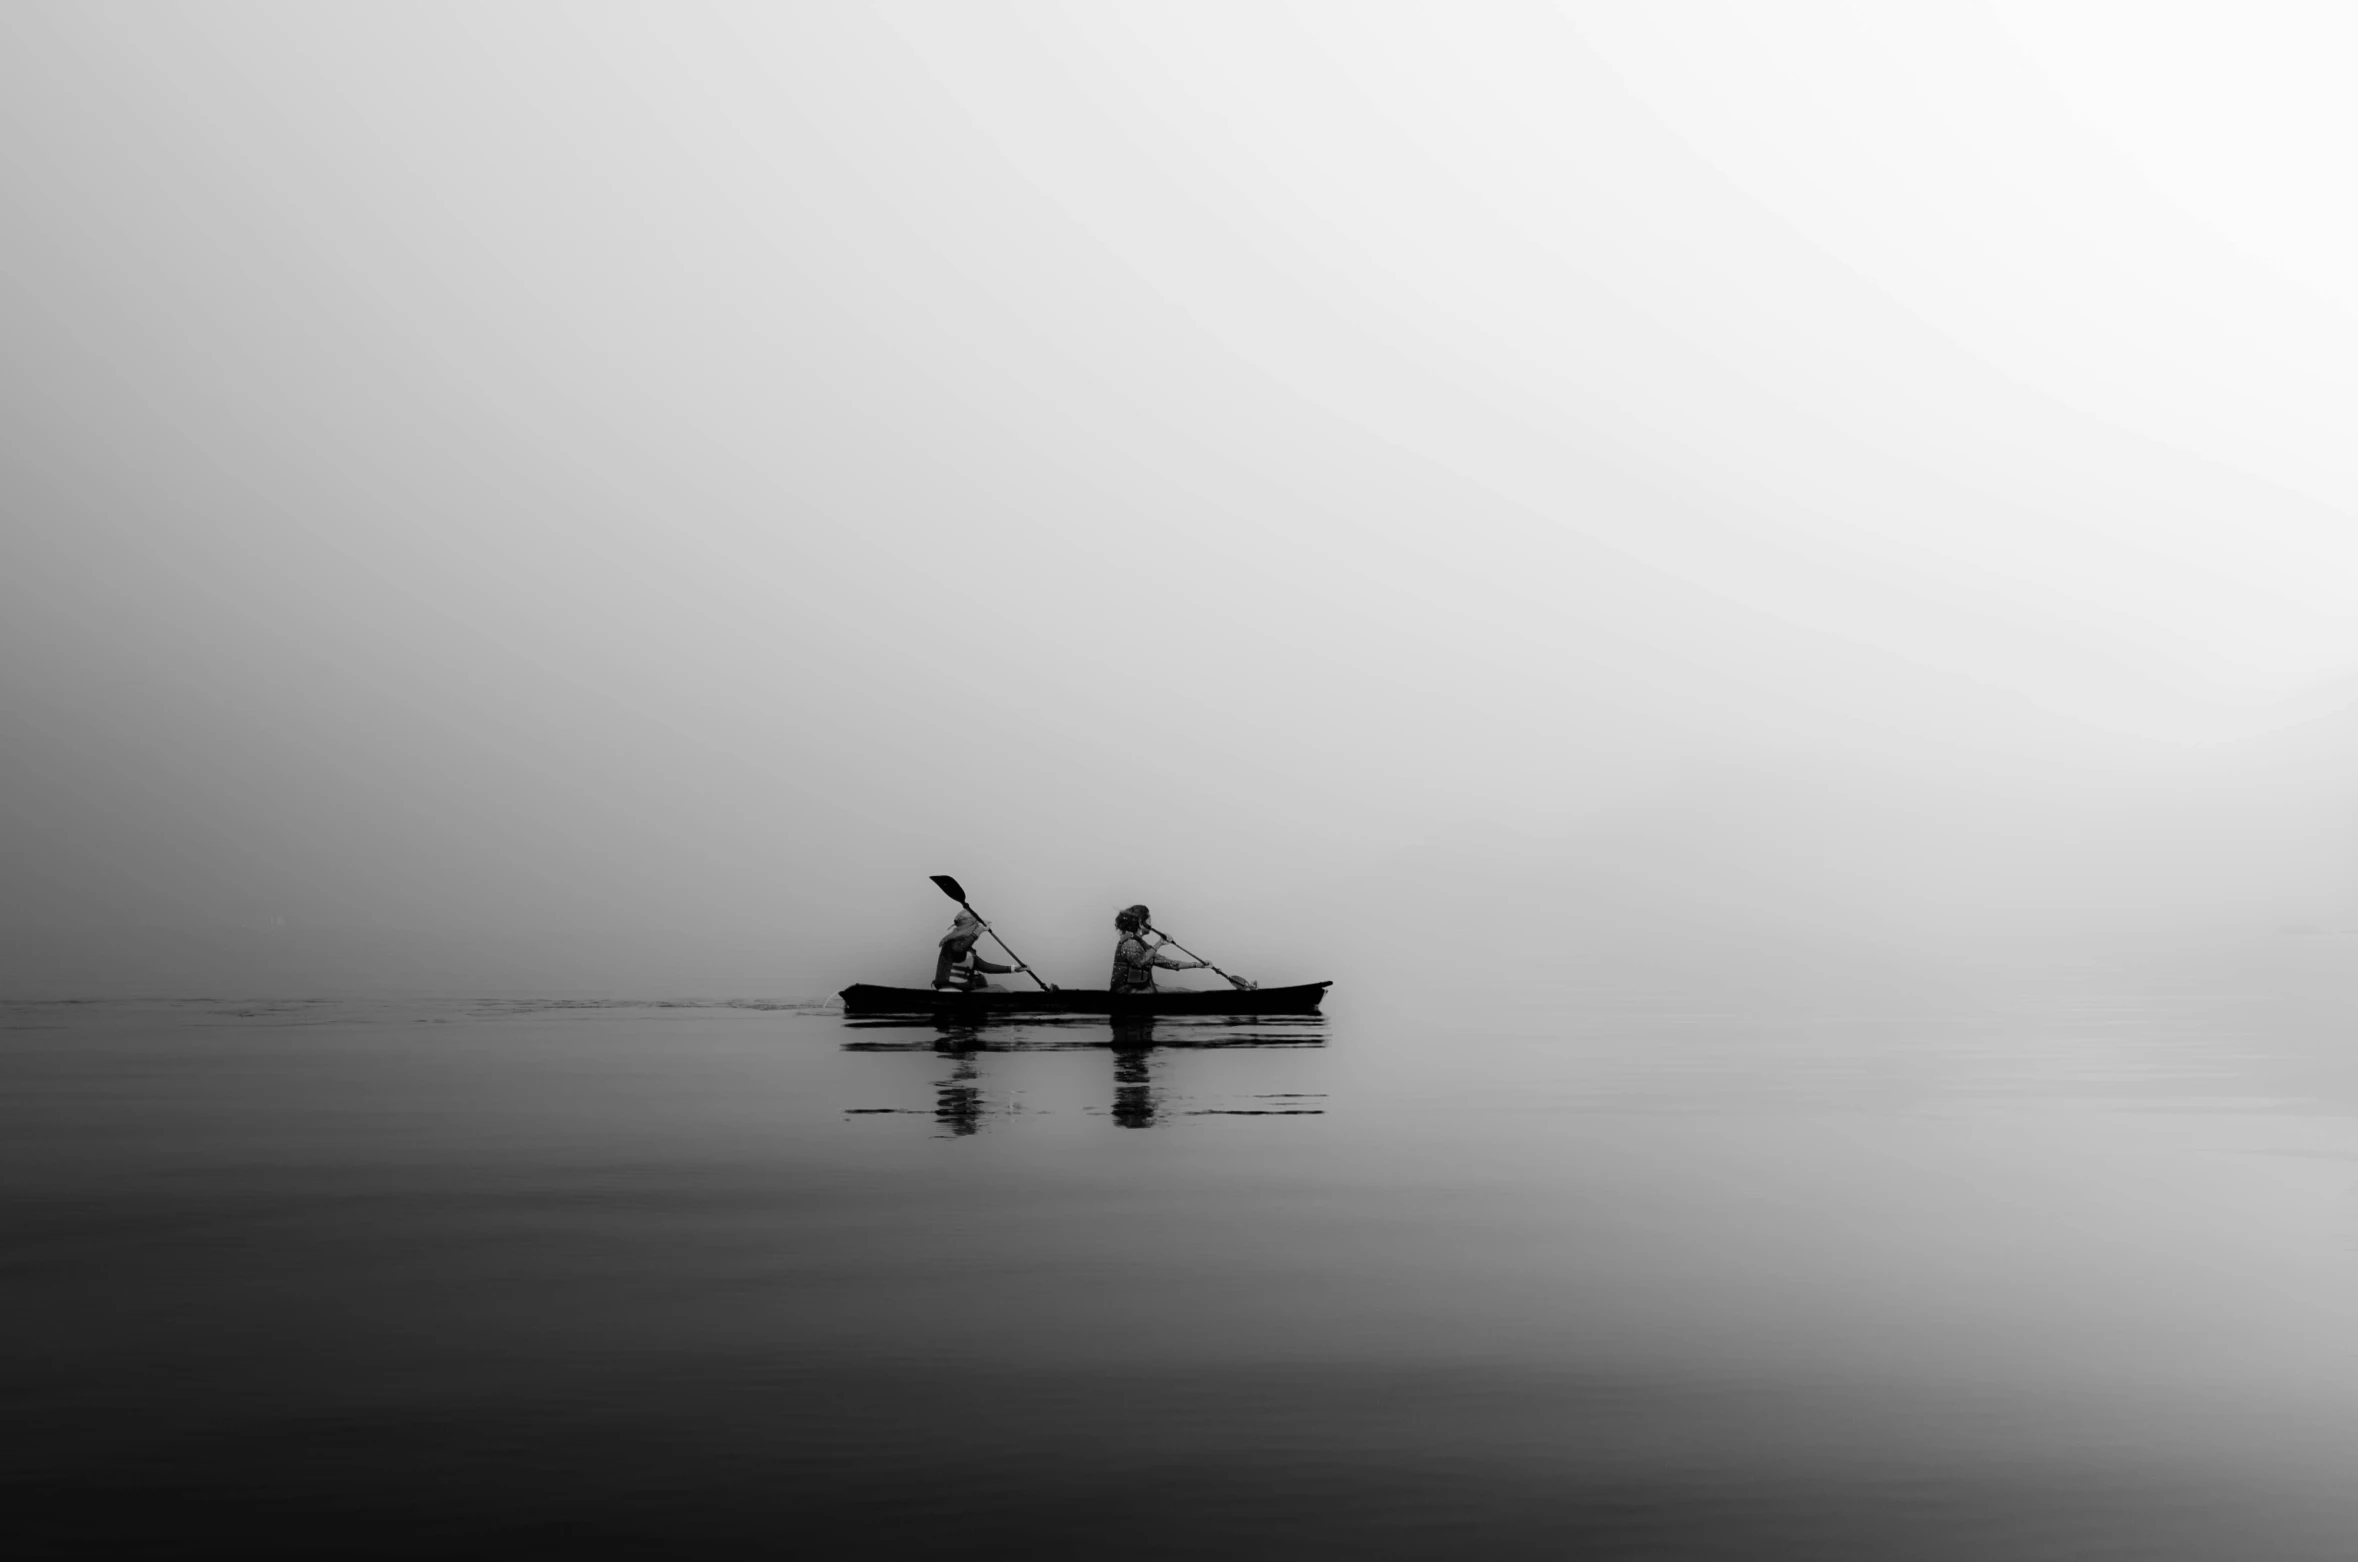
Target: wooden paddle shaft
[957, 892]
[1183, 949]
[1011, 954]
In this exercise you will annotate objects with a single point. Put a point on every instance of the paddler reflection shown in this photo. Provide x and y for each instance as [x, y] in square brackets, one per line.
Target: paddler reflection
[957, 1102]
[1133, 1069]
[958, 1097]
[967, 1087]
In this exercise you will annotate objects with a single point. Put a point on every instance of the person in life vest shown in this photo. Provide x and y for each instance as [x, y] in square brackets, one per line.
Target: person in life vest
[1135, 959]
[957, 967]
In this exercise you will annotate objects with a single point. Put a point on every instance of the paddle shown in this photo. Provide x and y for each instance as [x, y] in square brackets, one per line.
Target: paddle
[949, 887]
[1237, 982]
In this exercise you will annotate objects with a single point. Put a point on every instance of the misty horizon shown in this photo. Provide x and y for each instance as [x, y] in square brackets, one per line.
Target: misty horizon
[639, 492]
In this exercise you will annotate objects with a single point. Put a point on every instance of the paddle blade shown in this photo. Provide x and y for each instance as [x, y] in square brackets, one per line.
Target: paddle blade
[949, 887]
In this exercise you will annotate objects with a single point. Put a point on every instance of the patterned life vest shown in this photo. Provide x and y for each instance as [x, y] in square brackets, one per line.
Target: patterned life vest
[1133, 966]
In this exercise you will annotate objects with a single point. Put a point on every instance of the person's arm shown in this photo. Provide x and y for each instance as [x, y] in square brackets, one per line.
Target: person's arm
[1157, 957]
[989, 969]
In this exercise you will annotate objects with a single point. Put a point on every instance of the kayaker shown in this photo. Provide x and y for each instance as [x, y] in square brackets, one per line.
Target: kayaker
[1135, 959]
[957, 966]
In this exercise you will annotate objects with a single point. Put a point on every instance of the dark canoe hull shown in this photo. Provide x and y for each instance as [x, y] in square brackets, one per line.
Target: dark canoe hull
[861, 998]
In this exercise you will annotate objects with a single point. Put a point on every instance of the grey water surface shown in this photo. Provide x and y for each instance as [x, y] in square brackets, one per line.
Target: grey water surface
[2067, 1270]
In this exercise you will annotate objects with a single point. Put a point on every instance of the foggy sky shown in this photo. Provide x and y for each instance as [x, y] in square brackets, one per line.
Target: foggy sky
[521, 496]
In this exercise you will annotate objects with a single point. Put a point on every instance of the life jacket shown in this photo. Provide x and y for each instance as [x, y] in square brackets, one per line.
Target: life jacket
[1131, 976]
[961, 969]
[955, 967]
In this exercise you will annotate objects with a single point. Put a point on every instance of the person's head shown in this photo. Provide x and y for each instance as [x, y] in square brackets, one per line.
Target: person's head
[966, 927]
[1130, 918]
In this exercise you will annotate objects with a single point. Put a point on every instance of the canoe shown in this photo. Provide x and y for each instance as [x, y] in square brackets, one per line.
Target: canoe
[862, 998]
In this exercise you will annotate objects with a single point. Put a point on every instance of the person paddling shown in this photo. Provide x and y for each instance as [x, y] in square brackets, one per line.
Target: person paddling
[1135, 959]
[958, 967]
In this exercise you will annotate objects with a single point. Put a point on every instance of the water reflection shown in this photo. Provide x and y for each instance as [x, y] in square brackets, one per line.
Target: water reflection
[1133, 1054]
[960, 1105]
[962, 1093]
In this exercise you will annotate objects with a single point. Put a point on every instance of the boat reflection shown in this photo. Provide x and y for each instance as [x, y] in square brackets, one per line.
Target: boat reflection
[960, 1106]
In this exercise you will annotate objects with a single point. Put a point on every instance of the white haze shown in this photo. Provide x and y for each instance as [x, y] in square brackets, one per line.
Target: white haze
[535, 497]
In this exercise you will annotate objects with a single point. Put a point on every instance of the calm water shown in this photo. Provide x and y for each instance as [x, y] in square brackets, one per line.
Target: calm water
[2071, 1271]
